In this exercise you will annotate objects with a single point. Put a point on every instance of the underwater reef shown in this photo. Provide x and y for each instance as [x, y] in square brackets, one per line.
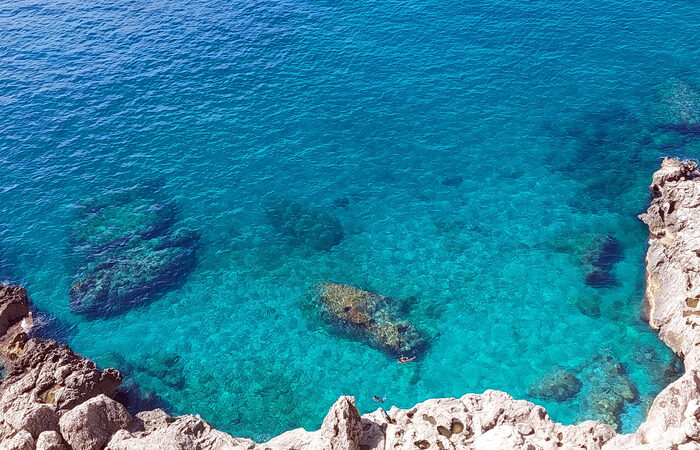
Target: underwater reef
[597, 254]
[609, 388]
[54, 399]
[600, 257]
[304, 226]
[369, 316]
[679, 107]
[560, 385]
[130, 250]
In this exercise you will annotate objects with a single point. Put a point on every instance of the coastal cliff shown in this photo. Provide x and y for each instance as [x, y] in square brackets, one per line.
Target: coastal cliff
[54, 399]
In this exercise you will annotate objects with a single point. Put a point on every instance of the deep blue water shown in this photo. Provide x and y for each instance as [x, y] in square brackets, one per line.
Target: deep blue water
[470, 151]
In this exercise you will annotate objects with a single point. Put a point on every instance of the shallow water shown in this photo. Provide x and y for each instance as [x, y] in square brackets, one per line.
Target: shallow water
[369, 112]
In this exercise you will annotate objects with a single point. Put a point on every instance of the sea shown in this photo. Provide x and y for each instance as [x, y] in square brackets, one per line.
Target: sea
[481, 163]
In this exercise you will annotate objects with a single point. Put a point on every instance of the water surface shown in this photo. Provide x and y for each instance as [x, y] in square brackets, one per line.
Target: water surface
[468, 150]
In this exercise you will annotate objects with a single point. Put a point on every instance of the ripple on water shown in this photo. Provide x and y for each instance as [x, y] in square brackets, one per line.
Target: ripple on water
[463, 159]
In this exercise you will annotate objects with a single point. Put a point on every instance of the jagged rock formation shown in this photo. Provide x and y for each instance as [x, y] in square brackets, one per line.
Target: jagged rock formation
[53, 399]
[370, 316]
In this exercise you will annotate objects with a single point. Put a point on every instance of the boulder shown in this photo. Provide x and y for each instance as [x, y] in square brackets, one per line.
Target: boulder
[25, 412]
[20, 441]
[50, 440]
[90, 425]
[370, 316]
[163, 432]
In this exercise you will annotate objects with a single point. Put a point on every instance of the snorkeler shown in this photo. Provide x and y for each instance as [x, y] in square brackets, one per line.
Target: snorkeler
[405, 359]
[379, 400]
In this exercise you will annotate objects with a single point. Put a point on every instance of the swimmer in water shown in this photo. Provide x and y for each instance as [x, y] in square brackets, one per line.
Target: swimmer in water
[379, 400]
[405, 359]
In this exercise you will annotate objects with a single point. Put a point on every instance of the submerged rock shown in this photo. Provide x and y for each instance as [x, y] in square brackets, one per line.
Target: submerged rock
[588, 305]
[453, 181]
[341, 202]
[305, 226]
[130, 252]
[129, 276]
[114, 218]
[560, 385]
[600, 259]
[370, 316]
[604, 253]
[166, 367]
[600, 279]
[679, 107]
[611, 389]
[596, 253]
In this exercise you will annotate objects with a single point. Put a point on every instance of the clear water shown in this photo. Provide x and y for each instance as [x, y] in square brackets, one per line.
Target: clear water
[362, 110]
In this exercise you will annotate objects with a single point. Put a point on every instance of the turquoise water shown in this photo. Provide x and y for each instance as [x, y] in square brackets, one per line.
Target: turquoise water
[368, 112]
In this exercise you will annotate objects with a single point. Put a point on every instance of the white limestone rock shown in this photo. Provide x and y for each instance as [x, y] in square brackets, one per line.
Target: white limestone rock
[20, 441]
[90, 425]
[162, 432]
[341, 430]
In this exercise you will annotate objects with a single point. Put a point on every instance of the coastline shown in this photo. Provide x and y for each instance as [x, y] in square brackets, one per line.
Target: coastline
[53, 398]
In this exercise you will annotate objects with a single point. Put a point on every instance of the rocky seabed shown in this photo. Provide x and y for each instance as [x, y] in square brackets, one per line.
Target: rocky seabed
[54, 399]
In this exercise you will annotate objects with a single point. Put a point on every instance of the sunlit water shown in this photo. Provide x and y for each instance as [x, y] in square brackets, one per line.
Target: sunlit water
[370, 112]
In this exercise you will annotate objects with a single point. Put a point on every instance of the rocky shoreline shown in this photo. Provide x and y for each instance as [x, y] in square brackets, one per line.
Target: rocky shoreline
[54, 399]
